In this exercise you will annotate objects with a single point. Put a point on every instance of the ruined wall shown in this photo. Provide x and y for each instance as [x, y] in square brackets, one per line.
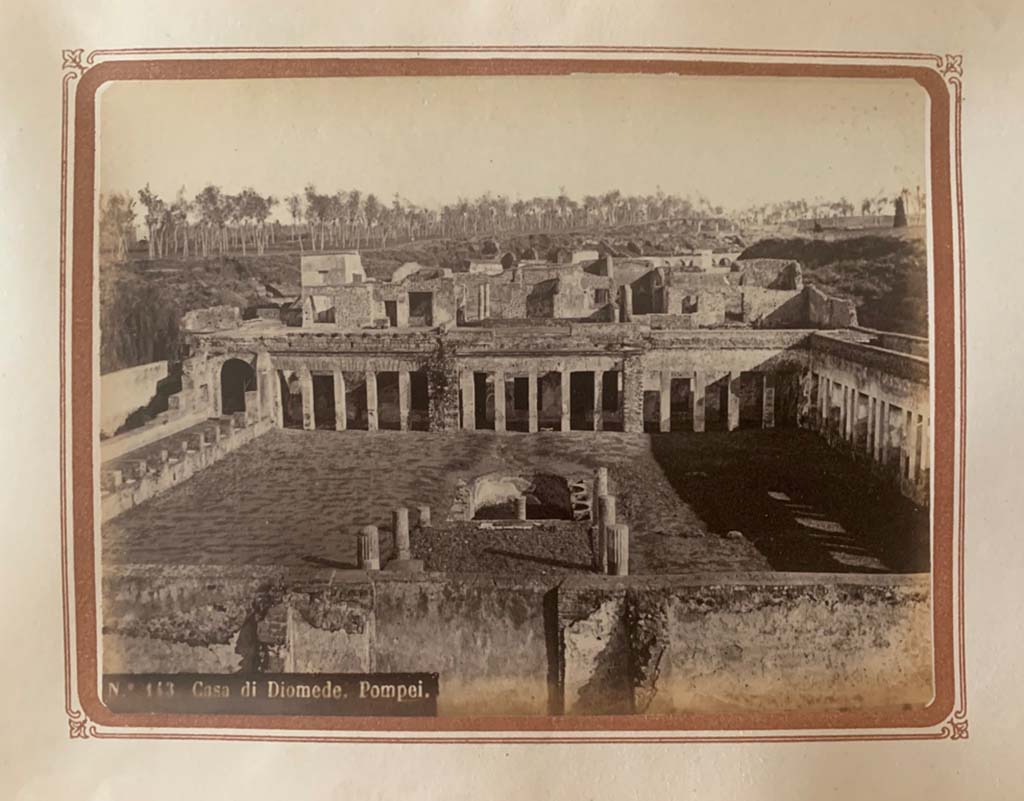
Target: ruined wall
[776, 642]
[825, 311]
[124, 391]
[354, 305]
[584, 645]
[769, 273]
[508, 301]
[779, 306]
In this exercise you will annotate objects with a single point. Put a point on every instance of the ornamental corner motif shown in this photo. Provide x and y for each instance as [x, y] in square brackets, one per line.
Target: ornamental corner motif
[79, 726]
[953, 66]
[71, 59]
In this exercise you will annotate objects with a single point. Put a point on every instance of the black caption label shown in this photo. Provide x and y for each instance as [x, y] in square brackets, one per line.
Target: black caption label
[351, 694]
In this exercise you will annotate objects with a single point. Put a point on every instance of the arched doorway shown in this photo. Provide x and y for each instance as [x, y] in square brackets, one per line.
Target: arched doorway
[236, 378]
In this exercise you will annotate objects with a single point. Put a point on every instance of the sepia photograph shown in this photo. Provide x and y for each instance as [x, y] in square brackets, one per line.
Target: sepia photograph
[597, 399]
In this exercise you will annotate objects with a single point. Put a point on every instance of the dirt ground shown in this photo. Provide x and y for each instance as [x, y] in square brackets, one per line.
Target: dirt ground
[298, 497]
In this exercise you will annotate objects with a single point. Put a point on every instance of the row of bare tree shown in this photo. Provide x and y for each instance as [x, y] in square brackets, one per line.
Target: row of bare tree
[214, 222]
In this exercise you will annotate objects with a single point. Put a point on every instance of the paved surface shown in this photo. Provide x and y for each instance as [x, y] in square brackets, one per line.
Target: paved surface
[298, 497]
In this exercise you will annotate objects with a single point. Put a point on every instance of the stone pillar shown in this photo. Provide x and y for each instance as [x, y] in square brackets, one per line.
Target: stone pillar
[869, 445]
[665, 402]
[215, 389]
[632, 396]
[601, 487]
[566, 388]
[531, 395]
[851, 433]
[403, 400]
[733, 420]
[843, 412]
[915, 438]
[906, 431]
[925, 455]
[371, 400]
[424, 516]
[820, 409]
[618, 550]
[883, 432]
[768, 401]
[697, 395]
[340, 409]
[521, 507]
[400, 527]
[265, 376]
[369, 548]
[606, 515]
[277, 401]
[499, 401]
[599, 399]
[468, 404]
[308, 413]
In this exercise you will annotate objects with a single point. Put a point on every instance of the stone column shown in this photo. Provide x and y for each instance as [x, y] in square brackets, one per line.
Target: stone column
[531, 396]
[369, 548]
[308, 413]
[665, 402]
[925, 455]
[424, 516]
[400, 527]
[606, 515]
[869, 446]
[883, 432]
[278, 401]
[912, 446]
[844, 412]
[468, 404]
[697, 395]
[340, 409]
[371, 400]
[618, 550]
[906, 421]
[521, 507]
[499, 401]
[626, 306]
[403, 400]
[566, 388]
[598, 400]
[768, 401]
[602, 482]
[733, 420]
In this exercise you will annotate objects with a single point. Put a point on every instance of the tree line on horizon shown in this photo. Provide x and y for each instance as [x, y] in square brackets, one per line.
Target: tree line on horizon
[214, 222]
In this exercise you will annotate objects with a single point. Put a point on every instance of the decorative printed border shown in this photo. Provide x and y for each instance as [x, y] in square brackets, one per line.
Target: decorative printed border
[939, 74]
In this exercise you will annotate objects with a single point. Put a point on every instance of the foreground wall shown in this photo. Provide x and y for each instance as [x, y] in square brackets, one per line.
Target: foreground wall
[582, 645]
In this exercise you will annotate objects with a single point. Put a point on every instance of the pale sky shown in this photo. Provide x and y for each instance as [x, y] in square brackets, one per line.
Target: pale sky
[737, 141]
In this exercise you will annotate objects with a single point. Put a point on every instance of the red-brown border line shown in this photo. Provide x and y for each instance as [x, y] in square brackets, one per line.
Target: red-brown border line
[833, 725]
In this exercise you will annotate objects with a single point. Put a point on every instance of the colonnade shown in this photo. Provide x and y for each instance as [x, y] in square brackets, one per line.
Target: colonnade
[309, 421]
[891, 432]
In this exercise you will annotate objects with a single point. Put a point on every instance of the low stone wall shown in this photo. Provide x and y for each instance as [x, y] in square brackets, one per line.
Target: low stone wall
[539, 646]
[127, 482]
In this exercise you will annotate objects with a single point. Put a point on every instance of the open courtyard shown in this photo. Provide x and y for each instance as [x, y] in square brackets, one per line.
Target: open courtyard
[748, 500]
